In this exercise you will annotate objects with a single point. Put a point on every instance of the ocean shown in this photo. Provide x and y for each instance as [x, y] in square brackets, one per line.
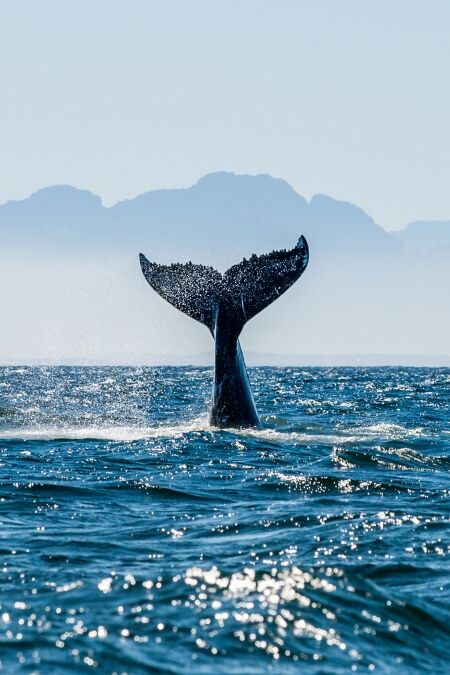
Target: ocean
[136, 539]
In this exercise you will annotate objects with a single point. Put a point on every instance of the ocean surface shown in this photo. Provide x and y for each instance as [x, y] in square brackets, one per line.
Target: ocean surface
[136, 539]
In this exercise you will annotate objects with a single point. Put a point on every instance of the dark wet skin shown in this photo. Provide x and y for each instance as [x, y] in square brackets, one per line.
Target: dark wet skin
[232, 403]
[224, 303]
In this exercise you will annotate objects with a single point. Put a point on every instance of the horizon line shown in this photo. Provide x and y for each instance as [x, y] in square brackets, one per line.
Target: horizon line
[254, 359]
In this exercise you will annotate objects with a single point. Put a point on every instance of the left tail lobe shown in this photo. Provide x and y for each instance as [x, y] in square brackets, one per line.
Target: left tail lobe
[193, 289]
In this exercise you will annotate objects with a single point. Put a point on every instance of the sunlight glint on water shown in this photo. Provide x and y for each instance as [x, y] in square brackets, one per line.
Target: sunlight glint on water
[134, 537]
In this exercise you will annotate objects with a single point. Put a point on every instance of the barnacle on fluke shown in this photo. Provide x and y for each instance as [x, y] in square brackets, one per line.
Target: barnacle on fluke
[224, 303]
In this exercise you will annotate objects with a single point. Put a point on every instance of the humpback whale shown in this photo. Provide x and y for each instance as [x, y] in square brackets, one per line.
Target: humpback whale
[224, 303]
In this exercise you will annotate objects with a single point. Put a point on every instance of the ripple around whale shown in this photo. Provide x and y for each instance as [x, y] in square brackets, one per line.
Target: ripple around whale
[135, 538]
[130, 434]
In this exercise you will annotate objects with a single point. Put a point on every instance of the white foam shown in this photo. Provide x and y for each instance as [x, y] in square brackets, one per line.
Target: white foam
[343, 437]
[276, 436]
[126, 434]
[390, 430]
[118, 434]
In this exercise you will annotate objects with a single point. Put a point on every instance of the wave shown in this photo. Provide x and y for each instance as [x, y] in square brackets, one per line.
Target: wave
[324, 484]
[68, 488]
[389, 458]
[344, 436]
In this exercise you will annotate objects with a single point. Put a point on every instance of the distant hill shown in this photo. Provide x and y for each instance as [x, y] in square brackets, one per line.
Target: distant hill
[72, 288]
[426, 235]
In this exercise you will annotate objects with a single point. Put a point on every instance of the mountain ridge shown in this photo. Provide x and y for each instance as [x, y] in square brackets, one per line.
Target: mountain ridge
[220, 192]
[220, 211]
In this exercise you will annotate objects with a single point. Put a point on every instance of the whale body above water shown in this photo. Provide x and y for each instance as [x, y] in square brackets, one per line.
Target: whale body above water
[224, 303]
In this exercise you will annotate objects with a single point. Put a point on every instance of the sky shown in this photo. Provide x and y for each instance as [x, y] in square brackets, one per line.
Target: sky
[347, 98]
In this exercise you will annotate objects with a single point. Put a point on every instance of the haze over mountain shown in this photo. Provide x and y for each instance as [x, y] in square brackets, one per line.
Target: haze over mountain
[72, 289]
[426, 235]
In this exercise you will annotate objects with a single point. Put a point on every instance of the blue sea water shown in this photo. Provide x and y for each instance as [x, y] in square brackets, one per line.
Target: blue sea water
[136, 539]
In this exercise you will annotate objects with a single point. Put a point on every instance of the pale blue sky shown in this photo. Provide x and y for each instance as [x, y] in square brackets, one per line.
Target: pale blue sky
[346, 97]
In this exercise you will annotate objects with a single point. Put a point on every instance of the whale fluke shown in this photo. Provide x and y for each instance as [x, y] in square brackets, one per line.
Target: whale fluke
[244, 290]
[224, 303]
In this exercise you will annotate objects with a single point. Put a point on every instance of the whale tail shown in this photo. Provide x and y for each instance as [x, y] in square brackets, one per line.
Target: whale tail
[244, 290]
